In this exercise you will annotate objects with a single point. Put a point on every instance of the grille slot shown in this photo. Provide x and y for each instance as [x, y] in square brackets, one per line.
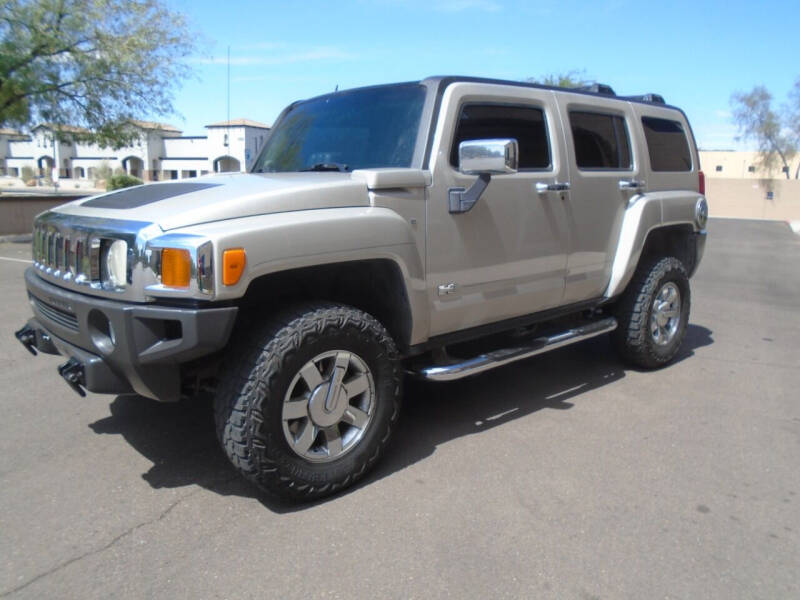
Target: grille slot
[58, 315]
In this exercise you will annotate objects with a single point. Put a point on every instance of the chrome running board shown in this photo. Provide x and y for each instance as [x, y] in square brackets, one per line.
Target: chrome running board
[504, 356]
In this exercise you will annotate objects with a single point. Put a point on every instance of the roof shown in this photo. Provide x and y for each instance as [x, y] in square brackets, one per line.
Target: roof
[8, 131]
[239, 123]
[62, 128]
[153, 125]
[600, 90]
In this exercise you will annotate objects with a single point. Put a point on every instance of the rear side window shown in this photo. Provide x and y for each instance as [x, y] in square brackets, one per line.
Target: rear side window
[522, 123]
[601, 141]
[667, 145]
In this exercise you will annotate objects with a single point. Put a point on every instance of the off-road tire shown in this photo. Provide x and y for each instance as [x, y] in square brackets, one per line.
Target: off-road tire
[256, 374]
[633, 338]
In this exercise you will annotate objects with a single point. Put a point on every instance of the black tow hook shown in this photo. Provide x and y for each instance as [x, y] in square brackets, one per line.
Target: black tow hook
[73, 373]
[27, 336]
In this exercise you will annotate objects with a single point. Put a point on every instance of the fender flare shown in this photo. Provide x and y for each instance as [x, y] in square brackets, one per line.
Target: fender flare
[645, 214]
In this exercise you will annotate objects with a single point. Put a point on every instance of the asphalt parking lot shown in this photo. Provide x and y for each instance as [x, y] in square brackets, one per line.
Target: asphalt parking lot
[564, 476]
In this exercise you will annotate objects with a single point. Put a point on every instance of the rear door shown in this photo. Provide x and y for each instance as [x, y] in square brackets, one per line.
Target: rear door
[604, 175]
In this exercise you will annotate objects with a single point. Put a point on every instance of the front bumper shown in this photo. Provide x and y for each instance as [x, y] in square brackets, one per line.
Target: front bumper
[124, 347]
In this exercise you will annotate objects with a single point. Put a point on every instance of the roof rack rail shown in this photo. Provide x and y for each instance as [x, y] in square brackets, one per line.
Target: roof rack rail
[652, 98]
[598, 88]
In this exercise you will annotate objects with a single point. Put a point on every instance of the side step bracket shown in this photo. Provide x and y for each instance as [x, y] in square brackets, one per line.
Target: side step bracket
[504, 356]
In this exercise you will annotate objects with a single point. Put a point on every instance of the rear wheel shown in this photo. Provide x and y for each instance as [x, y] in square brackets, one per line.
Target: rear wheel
[307, 403]
[653, 313]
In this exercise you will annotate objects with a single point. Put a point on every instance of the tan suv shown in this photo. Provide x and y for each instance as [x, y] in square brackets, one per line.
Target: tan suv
[380, 229]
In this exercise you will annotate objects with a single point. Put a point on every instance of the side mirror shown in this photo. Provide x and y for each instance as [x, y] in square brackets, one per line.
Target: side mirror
[488, 156]
[483, 158]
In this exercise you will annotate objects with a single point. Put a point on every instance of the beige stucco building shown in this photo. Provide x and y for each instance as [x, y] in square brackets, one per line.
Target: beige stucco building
[159, 153]
[729, 164]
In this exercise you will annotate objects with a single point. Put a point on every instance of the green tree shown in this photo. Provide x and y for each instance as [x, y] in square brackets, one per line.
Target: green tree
[791, 112]
[758, 122]
[90, 63]
[569, 79]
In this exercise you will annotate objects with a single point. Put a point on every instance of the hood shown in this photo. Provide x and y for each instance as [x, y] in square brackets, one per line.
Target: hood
[177, 204]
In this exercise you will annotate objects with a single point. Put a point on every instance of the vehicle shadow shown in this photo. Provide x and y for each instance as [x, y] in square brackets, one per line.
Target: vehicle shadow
[179, 439]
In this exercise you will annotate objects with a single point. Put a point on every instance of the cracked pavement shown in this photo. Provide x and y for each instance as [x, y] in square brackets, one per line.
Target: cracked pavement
[564, 476]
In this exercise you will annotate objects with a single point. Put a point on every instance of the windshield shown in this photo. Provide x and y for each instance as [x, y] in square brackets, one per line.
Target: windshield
[360, 129]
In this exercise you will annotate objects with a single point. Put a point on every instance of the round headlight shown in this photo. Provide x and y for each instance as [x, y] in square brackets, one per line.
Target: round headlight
[701, 213]
[117, 263]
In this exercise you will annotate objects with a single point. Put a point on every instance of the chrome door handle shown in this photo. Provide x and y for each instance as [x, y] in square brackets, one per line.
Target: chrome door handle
[542, 187]
[631, 184]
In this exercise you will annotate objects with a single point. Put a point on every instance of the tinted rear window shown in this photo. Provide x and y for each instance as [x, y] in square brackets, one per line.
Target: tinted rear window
[667, 145]
[522, 123]
[601, 141]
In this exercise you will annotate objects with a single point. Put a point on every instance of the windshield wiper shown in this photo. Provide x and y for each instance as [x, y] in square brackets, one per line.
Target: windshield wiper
[332, 166]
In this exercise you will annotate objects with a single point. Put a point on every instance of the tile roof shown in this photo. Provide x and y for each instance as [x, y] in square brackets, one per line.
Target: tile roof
[154, 125]
[239, 123]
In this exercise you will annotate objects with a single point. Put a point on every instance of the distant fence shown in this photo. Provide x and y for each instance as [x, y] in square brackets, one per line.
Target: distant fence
[17, 212]
[754, 198]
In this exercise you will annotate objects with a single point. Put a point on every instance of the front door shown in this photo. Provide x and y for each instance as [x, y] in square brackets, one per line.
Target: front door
[507, 256]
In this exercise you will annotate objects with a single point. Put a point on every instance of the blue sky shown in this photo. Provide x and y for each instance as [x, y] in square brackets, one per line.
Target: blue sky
[693, 53]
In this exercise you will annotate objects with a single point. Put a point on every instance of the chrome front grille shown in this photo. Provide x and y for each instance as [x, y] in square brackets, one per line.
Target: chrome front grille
[66, 254]
[69, 251]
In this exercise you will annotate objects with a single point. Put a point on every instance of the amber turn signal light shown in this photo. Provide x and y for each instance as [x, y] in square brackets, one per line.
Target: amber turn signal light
[176, 267]
[233, 262]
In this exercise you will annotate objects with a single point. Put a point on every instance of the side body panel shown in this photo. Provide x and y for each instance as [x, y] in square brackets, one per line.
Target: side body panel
[507, 256]
[670, 199]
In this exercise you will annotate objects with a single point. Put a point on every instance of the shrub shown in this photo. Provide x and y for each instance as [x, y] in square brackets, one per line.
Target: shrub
[26, 174]
[102, 173]
[122, 181]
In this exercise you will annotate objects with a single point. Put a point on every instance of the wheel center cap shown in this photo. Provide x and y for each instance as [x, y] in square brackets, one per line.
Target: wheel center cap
[324, 408]
[661, 318]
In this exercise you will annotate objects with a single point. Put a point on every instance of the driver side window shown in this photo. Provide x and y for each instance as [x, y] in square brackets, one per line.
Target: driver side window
[525, 124]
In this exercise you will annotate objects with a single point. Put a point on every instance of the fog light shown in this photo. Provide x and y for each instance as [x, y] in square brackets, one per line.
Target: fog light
[117, 263]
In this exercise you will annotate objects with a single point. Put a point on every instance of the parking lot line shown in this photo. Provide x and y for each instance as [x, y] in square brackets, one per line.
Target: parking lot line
[22, 260]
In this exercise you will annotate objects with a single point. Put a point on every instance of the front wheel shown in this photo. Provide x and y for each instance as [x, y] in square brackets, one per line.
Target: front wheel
[653, 313]
[306, 403]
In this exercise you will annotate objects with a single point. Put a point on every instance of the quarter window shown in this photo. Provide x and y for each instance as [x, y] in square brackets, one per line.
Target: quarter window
[601, 141]
[667, 145]
[522, 123]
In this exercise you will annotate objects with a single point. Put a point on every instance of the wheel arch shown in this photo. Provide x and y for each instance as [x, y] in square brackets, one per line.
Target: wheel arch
[376, 286]
[664, 225]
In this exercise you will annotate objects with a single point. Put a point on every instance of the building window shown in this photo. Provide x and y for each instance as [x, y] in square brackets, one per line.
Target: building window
[751, 169]
[719, 169]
